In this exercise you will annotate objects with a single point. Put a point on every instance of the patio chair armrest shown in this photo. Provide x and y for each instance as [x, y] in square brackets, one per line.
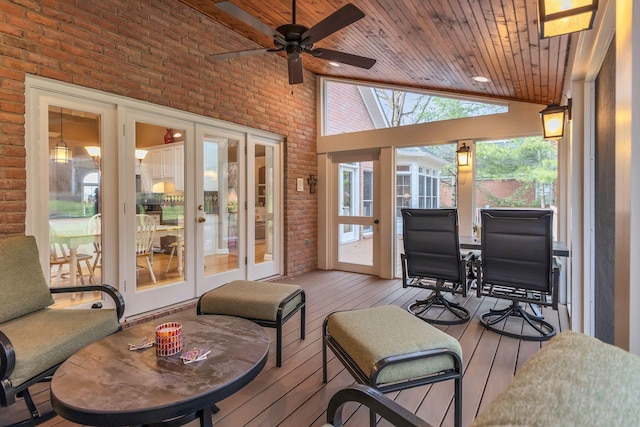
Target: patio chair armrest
[108, 289]
[373, 399]
[7, 358]
[556, 284]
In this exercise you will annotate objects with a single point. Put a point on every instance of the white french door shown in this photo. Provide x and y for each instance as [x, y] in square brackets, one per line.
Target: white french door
[219, 168]
[156, 193]
[165, 204]
[264, 205]
[238, 207]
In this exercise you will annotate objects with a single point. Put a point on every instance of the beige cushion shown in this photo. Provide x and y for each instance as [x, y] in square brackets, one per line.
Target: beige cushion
[574, 380]
[47, 337]
[23, 288]
[249, 299]
[371, 334]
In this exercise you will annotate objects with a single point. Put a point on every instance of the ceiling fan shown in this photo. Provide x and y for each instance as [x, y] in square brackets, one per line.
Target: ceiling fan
[295, 39]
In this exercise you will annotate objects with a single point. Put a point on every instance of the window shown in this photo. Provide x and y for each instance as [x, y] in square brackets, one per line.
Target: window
[516, 173]
[352, 108]
[428, 189]
[426, 178]
[403, 190]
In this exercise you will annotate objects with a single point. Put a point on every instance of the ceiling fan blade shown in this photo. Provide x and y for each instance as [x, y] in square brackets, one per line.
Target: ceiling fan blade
[295, 69]
[344, 58]
[339, 19]
[248, 19]
[239, 53]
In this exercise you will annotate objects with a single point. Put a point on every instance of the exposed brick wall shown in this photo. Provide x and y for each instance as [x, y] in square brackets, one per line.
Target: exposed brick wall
[155, 51]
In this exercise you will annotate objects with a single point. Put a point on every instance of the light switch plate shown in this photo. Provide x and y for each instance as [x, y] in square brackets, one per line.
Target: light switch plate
[300, 186]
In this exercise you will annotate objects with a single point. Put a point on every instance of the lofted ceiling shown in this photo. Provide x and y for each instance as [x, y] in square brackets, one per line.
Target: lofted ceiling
[428, 44]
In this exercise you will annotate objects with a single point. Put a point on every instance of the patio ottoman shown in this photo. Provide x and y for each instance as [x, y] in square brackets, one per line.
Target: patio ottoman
[268, 304]
[390, 349]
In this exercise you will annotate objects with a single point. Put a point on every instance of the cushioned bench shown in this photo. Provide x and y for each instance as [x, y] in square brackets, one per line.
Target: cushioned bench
[268, 304]
[390, 349]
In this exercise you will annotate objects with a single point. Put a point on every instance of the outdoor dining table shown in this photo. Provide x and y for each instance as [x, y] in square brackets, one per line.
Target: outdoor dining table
[469, 242]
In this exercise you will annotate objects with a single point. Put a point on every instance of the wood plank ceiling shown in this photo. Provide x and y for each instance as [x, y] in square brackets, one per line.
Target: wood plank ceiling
[428, 44]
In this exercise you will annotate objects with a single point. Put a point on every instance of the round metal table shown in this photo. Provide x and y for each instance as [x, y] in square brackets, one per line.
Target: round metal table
[107, 384]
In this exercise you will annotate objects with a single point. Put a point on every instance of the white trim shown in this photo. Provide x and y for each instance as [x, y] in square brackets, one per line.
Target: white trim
[591, 50]
[93, 95]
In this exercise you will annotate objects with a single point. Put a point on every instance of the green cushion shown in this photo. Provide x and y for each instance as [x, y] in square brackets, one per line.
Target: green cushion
[23, 288]
[371, 334]
[47, 337]
[250, 299]
[574, 380]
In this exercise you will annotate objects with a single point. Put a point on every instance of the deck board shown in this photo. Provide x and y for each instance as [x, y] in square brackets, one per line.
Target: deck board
[294, 395]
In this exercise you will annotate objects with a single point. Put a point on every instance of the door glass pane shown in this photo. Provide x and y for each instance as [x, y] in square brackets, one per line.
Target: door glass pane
[356, 199]
[359, 248]
[74, 202]
[221, 187]
[264, 167]
[160, 201]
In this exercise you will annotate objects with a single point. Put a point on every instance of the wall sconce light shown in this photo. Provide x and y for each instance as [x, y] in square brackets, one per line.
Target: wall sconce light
[94, 152]
[312, 181]
[463, 154]
[553, 120]
[140, 155]
[60, 153]
[557, 17]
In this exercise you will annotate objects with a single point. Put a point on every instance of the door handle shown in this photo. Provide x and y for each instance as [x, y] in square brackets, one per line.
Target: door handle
[201, 219]
[375, 221]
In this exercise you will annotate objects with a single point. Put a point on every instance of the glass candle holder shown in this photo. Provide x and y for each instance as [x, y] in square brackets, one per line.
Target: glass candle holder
[168, 339]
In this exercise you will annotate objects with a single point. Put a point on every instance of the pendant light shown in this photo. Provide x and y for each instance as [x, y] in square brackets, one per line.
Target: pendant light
[60, 153]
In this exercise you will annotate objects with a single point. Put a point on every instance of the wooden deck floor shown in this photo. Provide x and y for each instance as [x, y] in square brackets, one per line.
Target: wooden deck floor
[294, 395]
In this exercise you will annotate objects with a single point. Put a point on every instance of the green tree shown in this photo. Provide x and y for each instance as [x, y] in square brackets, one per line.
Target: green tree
[405, 108]
[532, 161]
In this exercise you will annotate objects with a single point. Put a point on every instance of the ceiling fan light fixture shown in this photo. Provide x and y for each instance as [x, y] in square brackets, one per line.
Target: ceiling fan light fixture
[557, 17]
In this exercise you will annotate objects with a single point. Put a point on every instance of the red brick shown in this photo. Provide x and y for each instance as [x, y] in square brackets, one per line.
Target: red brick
[157, 52]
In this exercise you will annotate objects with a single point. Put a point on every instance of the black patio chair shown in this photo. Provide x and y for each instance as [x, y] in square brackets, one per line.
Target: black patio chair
[432, 260]
[517, 264]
